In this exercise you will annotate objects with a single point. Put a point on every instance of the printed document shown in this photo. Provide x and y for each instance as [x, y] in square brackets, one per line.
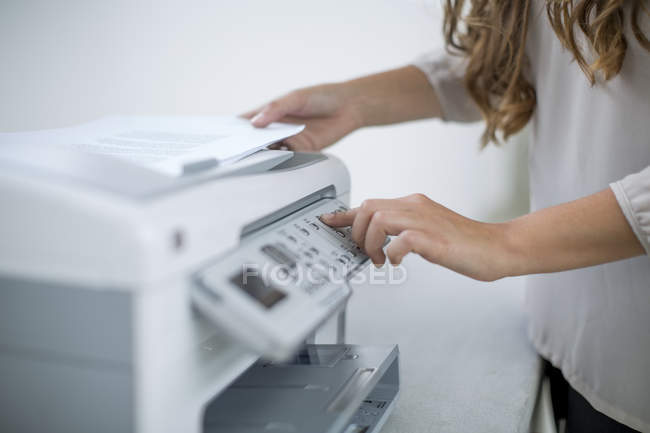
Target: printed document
[166, 144]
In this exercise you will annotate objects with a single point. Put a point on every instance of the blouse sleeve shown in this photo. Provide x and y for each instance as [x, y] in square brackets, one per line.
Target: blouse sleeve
[445, 73]
[633, 195]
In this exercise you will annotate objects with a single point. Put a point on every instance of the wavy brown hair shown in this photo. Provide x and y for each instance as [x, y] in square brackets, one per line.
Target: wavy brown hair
[491, 35]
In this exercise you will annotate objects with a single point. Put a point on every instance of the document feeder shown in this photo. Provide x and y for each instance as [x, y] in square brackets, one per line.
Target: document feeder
[131, 302]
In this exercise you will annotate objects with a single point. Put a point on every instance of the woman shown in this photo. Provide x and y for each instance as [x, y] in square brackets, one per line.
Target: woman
[579, 71]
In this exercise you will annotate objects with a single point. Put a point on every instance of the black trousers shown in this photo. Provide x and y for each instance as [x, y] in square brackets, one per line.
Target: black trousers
[580, 416]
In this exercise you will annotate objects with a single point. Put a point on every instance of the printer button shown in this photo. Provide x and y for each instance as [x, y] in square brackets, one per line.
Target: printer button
[279, 254]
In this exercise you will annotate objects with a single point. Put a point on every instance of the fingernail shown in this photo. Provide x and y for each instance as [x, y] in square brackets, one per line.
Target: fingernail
[326, 216]
[257, 118]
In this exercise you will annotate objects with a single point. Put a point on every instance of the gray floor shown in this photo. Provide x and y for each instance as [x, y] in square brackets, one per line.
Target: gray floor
[466, 364]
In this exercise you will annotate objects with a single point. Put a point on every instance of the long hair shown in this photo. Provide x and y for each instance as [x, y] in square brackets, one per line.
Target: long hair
[491, 35]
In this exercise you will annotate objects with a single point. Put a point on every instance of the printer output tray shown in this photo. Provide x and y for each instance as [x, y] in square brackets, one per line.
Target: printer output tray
[323, 389]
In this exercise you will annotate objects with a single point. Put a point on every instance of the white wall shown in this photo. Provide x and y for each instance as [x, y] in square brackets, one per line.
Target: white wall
[70, 61]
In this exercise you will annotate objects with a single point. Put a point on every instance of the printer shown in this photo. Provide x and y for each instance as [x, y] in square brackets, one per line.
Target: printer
[131, 301]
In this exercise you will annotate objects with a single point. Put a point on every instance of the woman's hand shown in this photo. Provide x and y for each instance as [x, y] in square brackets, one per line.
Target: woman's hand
[327, 111]
[331, 111]
[429, 229]
[585, 232]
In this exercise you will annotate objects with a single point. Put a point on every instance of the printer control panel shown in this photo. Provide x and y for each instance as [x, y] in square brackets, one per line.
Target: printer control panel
[282, 281]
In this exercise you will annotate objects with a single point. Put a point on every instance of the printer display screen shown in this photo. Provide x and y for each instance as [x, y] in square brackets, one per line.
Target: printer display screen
[252, 284]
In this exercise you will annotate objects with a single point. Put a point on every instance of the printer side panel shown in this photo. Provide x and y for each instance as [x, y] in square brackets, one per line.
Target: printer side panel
[65, 359]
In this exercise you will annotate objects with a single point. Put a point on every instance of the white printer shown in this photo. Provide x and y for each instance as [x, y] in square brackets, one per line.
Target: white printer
[136, 302]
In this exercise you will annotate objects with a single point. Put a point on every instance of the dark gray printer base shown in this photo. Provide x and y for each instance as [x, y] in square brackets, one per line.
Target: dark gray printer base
[324, 389]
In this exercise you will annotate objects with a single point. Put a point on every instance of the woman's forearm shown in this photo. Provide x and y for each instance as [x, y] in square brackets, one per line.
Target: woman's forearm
[585, 232]
[394, 96]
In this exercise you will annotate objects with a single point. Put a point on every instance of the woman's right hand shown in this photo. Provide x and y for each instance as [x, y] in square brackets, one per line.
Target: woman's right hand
[326, 111]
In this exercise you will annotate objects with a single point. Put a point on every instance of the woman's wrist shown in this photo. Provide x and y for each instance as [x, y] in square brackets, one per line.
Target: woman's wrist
[502, 249]
[354, 101]
[394, 96]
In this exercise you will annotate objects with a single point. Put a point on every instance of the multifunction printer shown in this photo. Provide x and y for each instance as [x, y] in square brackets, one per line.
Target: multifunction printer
[132, 301]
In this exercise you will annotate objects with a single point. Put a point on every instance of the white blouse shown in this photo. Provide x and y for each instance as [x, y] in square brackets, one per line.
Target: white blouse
[592, 323]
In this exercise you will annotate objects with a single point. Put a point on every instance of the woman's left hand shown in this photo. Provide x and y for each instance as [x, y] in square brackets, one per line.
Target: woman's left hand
[429, 229]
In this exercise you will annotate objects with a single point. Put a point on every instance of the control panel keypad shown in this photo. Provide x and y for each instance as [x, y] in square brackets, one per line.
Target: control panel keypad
[292, 271]
[298, 254]
[313, 253]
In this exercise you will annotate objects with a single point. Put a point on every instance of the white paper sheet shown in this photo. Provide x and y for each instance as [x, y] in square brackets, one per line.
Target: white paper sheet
[166, 144]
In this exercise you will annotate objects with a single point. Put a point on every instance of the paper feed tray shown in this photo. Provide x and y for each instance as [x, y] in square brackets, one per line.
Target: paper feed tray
[323, 389]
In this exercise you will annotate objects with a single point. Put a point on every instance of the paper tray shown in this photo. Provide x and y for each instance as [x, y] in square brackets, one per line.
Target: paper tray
[324, 389]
